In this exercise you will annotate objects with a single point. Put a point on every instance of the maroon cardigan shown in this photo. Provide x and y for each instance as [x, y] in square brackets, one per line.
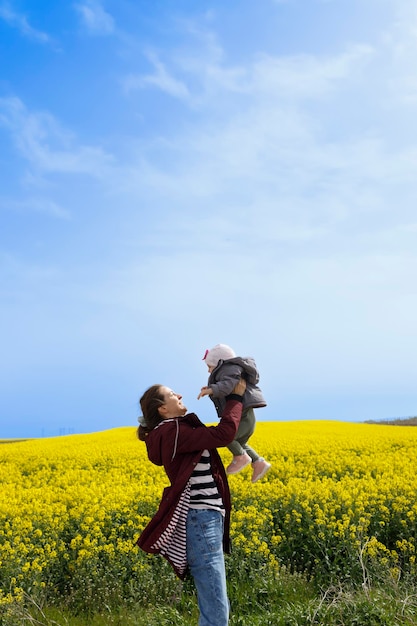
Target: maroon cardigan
[177, 444]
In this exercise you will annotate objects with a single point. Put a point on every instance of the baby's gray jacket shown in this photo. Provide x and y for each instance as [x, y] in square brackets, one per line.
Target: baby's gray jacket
[225, 376]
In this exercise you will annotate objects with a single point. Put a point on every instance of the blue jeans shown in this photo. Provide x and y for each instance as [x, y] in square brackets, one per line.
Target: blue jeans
[206, 561]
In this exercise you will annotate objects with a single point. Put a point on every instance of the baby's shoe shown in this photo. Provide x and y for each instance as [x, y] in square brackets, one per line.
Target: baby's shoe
[260, 468]
[239, 462]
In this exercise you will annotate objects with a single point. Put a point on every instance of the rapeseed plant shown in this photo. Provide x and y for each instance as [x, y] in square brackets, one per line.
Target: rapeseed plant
[339, 501]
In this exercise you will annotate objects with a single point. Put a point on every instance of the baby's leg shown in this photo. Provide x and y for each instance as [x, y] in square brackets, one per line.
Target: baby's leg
[243, 454]
[244, 432]
[252, 453]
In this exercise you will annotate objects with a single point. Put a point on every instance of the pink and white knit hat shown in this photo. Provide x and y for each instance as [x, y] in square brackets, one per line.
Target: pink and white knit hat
[220, 352]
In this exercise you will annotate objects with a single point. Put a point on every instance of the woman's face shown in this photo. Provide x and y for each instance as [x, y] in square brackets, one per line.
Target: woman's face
[173, 405]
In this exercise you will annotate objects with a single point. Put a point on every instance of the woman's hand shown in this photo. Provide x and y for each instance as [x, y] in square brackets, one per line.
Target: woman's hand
[240, 387]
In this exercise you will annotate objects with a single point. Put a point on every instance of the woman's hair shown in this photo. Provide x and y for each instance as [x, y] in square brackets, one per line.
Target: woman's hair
[150, 402]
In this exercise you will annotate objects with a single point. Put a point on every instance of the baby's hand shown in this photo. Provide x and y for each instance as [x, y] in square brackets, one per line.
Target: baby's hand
[205, 391]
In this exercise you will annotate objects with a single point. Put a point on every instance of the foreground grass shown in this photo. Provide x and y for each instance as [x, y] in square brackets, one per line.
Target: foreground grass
[291, 601]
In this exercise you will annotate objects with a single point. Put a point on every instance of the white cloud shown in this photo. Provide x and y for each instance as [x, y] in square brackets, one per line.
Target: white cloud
[401, 57]
[21, 22]
[47, 145]
[309, 130]
[273, 160]
[160, 79]
[306, 76]
[94, 17]
[202, 75]
[38, 205]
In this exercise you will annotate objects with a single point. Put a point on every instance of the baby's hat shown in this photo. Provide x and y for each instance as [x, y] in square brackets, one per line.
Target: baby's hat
[221, 351]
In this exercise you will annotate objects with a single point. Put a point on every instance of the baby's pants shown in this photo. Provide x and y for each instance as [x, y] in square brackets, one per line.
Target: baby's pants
[244, 432]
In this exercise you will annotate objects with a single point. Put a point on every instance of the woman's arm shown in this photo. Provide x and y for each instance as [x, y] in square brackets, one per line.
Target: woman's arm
[191, 439]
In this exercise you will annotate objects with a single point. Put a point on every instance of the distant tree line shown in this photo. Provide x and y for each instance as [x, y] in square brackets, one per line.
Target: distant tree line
[395, 421]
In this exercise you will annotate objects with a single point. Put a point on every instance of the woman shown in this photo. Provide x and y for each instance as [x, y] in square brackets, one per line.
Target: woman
[191, 526]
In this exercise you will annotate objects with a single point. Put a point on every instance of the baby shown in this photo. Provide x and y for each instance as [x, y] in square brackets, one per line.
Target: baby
[225, 370]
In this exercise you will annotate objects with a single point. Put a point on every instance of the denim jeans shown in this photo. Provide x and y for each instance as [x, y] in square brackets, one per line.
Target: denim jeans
[206, 561]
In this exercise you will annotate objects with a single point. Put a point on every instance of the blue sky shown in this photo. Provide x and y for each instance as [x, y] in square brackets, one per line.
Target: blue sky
[178, 174]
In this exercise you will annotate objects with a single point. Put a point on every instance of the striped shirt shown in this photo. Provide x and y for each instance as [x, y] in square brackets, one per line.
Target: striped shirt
[172, 543]
[204, 493]
[200, 493]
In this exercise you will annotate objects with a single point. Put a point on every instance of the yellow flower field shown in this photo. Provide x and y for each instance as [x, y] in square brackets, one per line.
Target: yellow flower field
[340, 500]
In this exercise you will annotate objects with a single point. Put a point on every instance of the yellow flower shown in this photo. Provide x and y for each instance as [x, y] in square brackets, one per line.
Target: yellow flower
[82, 500]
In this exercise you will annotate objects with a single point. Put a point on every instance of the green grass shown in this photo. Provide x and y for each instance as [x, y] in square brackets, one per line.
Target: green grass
[287, 600]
